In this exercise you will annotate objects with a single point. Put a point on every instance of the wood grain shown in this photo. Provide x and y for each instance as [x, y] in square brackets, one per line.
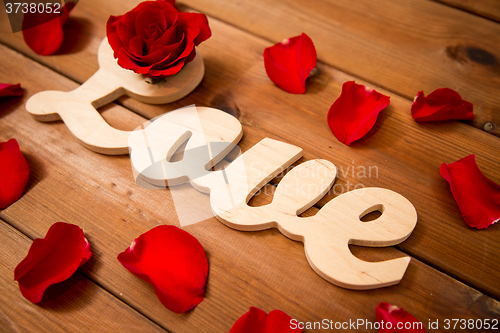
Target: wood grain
[486, 8]
[75, 305]
[406, 155]
[402, 46]
[70, 183]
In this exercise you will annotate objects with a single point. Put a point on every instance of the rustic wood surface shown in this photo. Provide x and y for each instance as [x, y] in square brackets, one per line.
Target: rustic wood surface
[398, 48]
[402, 46]
[487, 8]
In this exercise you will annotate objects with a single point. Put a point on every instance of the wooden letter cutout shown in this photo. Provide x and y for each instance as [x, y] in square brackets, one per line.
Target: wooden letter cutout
[326, 235]
[77, 108]
[211, 135]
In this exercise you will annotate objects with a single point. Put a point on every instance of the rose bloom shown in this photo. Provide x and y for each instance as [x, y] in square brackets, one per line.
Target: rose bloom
[156, 40]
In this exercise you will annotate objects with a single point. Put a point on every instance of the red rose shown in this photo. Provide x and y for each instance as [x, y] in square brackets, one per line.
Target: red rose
[156, 40]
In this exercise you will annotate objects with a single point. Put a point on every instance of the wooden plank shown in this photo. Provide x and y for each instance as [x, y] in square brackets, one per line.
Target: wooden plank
[68, 306]
[402, 46]
[400, 159]
[486, 8]
[263, 269]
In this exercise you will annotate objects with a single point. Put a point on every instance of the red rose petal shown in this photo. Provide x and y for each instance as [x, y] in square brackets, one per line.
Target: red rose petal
[174, 262]
[51, 260]
[113, 38]
[289, 63]
[477, 196]
[355, 112]
[125, 32]
[45, 35]
[148, 18]
[170, 71]
[198, 23]
[441, 104]
[394, 319]
[7, 90]
[256, 321]
[125, 61]
[14, 173]
[169, 37]
[162, 53]
[136, 46]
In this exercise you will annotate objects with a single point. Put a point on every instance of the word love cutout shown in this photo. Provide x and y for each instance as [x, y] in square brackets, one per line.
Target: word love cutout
[211, 134]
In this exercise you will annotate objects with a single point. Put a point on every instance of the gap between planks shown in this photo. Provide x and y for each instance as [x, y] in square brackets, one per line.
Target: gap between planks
[474, 8]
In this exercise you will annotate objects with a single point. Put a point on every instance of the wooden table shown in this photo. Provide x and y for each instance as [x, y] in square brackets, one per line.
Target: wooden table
[395, 47]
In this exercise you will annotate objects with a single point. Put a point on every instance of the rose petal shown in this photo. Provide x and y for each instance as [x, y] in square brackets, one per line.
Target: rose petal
[176, 68]
[477, 196]
[355, 112]
[14, 173]
[198, 24]
[51, 260]
[173, 261]
[441, 104]
[136, 46]
[166, 53]
[394, 319]
[147, 18]
[289, 63]
[113, 38]
[191, 56]
[188, 44]
[160, 55]
[256, 321]
[125, 32]
[7, 90]
[46, 35]
[125, 61]
[170, 35]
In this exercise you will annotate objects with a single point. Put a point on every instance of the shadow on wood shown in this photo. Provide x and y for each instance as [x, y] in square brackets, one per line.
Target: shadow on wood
[70, 295]
[76, 36]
